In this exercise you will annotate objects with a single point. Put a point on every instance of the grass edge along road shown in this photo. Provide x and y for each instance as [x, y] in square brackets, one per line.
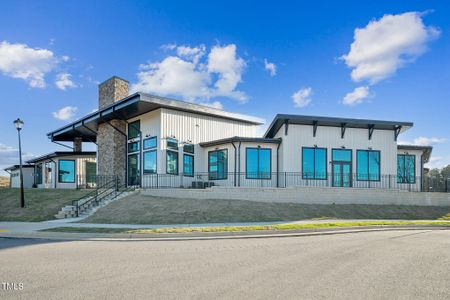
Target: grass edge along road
[275, 227]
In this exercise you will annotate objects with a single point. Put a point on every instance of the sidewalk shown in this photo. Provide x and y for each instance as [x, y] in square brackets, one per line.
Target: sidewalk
[33, 229]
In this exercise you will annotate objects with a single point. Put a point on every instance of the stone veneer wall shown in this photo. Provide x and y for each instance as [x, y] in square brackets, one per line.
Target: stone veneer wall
[111, 144]
[77, 144]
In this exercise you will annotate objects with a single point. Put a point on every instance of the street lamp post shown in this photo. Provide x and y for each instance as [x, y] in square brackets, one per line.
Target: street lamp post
[19, 125]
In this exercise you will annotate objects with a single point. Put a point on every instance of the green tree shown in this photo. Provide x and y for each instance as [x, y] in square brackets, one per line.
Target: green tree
[445, 172]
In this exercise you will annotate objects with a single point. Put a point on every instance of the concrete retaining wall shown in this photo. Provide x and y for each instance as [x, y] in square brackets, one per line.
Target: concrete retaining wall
[309, 195]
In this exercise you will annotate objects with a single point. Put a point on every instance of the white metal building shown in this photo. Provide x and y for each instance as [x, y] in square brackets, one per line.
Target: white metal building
[171, 143]
[64, 170]
[14, 174]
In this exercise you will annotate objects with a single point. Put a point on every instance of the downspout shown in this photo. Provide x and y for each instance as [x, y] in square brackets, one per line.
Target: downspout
[54, 171]
[235, 162]
[278, 163]
[421, 172]
[239, 163]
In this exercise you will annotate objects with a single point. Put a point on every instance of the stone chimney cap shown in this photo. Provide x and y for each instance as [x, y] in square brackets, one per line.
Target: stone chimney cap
[114, 77]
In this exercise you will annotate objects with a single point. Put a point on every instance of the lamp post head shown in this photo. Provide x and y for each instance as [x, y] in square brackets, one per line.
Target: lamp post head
[19, 124]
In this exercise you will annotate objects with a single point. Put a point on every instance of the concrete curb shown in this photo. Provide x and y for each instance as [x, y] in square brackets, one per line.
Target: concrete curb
[66, 236]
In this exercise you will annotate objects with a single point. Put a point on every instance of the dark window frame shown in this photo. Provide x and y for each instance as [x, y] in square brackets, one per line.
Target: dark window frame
[178, 162]
[74, 170]
[326, 163]
[132, 126]
[415, 171]
[143, 162]
[193, 165]
[209, 164]
[138, 143]
[342, 149]
[38, 175]
[147, 139]
[246, 163]
[184, 148]
[368, 169]
[172, 148]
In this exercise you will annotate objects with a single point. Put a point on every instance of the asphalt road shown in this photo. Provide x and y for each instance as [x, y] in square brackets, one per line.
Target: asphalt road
[412, 264]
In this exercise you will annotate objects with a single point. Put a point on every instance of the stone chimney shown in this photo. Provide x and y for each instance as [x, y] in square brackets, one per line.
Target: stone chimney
[78, 144]
[111, 143]
[112, 90]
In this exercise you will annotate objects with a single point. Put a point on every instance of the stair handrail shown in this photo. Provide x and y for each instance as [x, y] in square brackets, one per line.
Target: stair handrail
[96, 195]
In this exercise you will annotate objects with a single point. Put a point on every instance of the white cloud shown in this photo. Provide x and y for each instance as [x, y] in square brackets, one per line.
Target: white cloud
[192, 76]
[65, 113]
[302, 97]
[10, 156]
[270, 67]
[229, 67]
[63, 81]
[191, 53]
[424, 141]
[215, 104]
[173, 76]
[29, 64]
[168, 46]
[438, 162]
[357, 96]
[387, 44]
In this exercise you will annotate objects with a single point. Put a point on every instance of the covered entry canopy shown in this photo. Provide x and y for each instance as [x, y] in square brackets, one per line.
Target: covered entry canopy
[133, 106]
[282, 119]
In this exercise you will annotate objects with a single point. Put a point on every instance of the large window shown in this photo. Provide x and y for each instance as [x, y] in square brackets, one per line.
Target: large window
[368, 165]
[150, 162]
[38, 174]
[314, 163]
[134, 129]
[149, 155]
[258, 163]
[133, 169]
[188, 165]
[218, 164]
[91, 172]
[150, 143]
[133, 147]
[188, 148]
[406, 168]
[172, 162]
[66, 171]
[172, 144]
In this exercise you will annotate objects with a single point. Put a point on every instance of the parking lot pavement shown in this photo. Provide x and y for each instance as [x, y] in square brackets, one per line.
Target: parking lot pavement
[410, 264]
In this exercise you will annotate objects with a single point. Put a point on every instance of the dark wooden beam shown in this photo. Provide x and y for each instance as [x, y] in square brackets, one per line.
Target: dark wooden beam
[286, 127]
[343, 128]
[314, 128]
[371, 127]
[397, 131]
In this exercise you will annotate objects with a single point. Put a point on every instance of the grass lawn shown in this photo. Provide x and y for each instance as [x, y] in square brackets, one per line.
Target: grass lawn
[41, 204]
[277, 227]
[139, 209]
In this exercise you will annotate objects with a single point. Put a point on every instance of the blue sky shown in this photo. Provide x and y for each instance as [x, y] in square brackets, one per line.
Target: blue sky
[255, 58]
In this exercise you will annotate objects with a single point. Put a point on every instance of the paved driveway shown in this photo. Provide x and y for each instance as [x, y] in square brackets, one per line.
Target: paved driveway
[408, 264]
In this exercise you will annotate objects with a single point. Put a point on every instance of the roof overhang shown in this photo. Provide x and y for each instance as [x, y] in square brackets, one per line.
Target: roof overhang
[281, 119]
[15, 167]
[61, 154]
[426, 150]
[237, 139]
[133, 106]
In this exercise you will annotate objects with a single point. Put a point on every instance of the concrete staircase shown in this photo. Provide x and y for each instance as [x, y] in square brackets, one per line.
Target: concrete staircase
[87, 206]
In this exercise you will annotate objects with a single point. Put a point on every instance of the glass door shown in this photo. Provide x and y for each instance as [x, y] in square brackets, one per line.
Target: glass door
[133, 169]
[342, 167]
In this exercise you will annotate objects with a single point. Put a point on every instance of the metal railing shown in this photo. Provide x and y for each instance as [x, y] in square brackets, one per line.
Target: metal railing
[92, 181]
[292, 179]
[105, 186]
